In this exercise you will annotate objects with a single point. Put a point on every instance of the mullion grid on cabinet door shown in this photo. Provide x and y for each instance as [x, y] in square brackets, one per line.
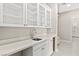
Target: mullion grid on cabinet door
[28, 16]
[1, 13]
[12, 14]
[24, 14]
[48, 18]
[38, 19]
[42, 15]
[35, 15]
[43, 21]
[26, 21]
[32, 14]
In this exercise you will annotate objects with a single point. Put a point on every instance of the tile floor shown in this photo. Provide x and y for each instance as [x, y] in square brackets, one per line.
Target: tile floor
[68, 49]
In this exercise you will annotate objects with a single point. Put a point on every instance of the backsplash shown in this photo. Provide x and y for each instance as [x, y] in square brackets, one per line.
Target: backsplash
[7, 33]
[40, 32]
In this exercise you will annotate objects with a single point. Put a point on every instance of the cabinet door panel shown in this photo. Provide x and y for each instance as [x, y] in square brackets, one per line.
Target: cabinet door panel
[48, 18]
[45, 49]
[32, 14]
[13, 13]
[41, 15]
[38, 52]
[1, 16]
[41, 49]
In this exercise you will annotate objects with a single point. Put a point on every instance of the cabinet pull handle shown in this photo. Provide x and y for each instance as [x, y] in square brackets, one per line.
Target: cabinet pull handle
[42, 48]
[25, 24]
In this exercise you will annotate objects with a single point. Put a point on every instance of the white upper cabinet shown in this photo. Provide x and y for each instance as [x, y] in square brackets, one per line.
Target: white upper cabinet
[1, 20]
[41, 16]
[48, 18]
[13, 13]
[21, 14]
[31, 14]
[44, 15]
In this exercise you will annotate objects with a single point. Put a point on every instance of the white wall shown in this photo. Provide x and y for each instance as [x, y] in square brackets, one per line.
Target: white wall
[65, 8]
[9, 33]
[65, 29]
[65, 24]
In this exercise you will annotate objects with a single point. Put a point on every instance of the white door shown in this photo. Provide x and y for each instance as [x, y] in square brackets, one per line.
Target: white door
[75, 27]
[13, 13]
[75, 34]
[75, 45]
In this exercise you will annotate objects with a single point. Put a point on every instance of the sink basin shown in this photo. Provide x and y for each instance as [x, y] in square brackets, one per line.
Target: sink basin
[37, 39]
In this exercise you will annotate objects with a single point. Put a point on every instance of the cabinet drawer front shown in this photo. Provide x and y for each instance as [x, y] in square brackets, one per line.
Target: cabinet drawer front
[39, 45]
[41, 51]
[37, 52]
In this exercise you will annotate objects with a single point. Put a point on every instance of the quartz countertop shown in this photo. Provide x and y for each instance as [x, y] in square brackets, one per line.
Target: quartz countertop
[8, 49]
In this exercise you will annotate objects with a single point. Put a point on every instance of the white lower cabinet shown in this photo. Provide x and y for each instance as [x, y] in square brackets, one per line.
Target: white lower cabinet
[41, 49]
[50, 47]
[27, 52]
[37, 52]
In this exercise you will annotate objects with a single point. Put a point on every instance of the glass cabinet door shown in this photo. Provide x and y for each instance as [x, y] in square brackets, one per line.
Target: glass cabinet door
[1, 17]
[31, 14]
[41, 15]
[48, 18]
[13, 13]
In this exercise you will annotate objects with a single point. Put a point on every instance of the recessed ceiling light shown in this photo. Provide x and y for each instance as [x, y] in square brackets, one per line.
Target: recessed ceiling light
[73, 17]
[68, 5]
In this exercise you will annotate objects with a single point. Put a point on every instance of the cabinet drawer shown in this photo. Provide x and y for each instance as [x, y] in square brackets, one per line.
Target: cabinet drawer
[37, 52]
[41, 51]
[36, 47]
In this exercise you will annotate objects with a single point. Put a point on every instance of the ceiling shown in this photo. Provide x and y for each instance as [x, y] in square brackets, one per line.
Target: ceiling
[64, 7]
[50, 4]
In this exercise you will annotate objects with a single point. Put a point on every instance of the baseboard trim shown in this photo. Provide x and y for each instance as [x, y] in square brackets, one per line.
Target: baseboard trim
[65, 41]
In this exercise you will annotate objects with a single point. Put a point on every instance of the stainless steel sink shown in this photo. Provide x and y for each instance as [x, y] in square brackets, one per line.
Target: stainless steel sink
[37, 39]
